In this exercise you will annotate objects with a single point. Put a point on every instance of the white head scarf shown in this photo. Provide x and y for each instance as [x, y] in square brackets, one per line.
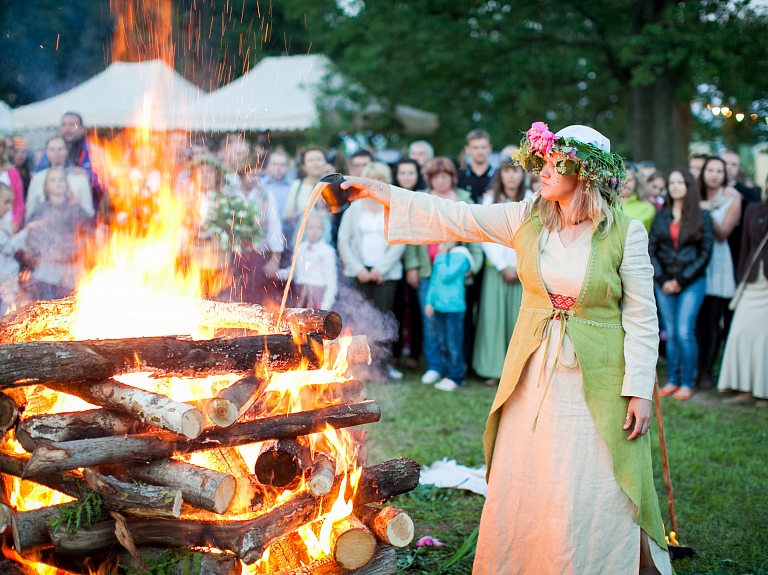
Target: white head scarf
[587, 135]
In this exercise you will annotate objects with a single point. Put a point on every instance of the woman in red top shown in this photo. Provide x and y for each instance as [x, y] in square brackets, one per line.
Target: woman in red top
[680, 244]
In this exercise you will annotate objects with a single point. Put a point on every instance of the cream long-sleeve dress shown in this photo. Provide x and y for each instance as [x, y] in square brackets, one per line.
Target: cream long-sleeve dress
[554, 505]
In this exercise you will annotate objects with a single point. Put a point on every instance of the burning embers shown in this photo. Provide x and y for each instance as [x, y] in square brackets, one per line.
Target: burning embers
[238, 448]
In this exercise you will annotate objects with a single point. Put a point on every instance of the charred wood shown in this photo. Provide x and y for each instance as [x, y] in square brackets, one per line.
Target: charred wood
[54, 320]
[75, 361]
[248, 539]
[380, 483]
[51, 458]
[72, 426]
[210, 564]
[132, 499]
[281, 462]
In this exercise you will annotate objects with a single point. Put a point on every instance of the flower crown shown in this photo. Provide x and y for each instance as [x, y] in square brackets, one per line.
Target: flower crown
[588, 162]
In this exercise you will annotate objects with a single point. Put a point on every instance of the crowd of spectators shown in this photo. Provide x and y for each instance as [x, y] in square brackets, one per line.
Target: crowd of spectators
[455, 304]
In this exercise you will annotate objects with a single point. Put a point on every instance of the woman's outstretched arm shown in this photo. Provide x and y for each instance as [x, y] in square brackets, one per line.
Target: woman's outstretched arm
[419, 218]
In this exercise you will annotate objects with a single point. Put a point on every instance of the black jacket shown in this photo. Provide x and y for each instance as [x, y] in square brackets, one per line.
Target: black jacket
[755, 227]
[685, 263]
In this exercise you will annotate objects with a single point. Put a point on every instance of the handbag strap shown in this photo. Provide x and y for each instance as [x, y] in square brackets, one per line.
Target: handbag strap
[755, 255]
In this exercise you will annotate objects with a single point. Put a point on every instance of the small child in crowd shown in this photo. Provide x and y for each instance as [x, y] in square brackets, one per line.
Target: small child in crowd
[445, 302]
[315, 276]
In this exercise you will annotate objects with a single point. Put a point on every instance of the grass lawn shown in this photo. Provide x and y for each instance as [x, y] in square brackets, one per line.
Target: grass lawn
[718, 458]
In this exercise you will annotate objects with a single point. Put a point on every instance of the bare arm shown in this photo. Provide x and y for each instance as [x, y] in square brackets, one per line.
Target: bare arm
[732, 217]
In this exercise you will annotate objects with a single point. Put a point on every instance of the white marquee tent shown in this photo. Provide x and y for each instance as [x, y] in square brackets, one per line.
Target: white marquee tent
[126, 94]
[279, 94]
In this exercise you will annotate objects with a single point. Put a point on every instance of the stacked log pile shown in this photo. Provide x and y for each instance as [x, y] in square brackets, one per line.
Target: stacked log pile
[128, 463]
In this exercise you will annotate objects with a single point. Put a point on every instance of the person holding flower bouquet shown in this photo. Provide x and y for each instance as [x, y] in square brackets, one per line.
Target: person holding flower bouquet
[570, 480]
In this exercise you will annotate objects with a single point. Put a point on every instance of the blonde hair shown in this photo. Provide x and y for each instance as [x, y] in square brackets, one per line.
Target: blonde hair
[379, 169]
[70, 195]
[588, 203]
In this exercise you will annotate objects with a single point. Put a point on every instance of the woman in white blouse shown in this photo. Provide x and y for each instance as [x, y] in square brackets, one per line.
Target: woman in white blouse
[571, 486]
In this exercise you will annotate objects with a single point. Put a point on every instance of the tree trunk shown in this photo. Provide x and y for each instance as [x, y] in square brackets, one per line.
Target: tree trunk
[30, 530]
[357, 351]
[384, 562]
[661, 124]
[54, 319]
[76, 361]
[210, 564]
[72, 426]
[234, 401]
[382, 482]
[68, 483]
[136, 500]
[204, 488]
[10, 567]
[248, 539]
[144, 406]
[52, 458]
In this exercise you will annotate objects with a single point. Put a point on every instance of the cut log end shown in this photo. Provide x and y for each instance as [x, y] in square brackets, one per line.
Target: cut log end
[222, 411]
[353, 545]
[192, 423]
[225, 493]
[9, 412]
[332, 325]
[323, 472]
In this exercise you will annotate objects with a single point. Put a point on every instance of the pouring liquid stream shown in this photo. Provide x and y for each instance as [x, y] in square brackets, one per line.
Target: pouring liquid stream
[313, 197]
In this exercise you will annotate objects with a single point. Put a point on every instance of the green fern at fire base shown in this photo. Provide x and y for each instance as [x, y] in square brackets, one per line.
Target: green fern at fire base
[190, 562]
[84, 513]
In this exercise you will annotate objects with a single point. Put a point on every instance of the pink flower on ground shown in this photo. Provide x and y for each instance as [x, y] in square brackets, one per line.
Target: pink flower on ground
[428, 541]
[541, 138]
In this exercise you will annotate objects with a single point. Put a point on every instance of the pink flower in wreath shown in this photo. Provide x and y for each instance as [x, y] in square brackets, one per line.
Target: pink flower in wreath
[541, 138]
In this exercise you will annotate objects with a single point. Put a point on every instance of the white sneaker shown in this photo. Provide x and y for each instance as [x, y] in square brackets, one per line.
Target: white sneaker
[446, 384]
[430, 377]
[394, 373]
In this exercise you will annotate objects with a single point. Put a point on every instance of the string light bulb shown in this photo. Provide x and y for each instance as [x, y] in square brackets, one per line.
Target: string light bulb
[715, 110]
[739, 117]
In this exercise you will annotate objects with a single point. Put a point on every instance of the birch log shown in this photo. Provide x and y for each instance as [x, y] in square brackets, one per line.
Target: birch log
[204, 488]
[144, 406]
[234, 401]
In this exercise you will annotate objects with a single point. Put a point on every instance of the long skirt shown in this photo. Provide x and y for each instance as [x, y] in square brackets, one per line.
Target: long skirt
[745, 361]
[554, 506]
[499, 308]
